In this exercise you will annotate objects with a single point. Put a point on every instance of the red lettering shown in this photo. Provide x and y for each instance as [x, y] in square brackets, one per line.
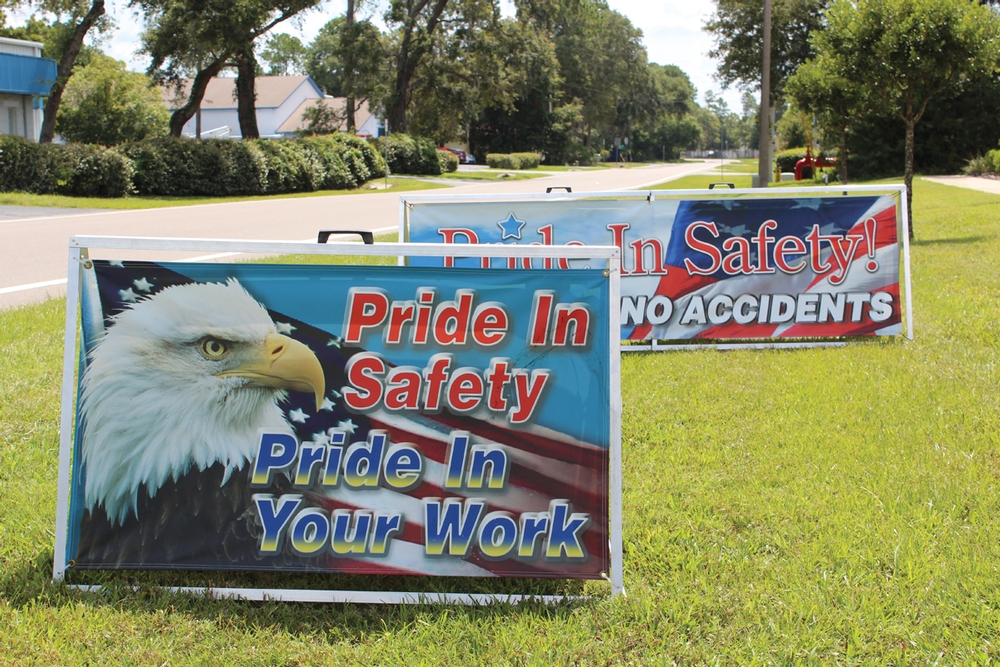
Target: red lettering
[465, 391]
[403, 389]
[451, 320]
[702, 247]
[365, 309]
[365, 391]
[449, 237]
[789, 245]
[541, 311]
[489, 324]
[575, 314]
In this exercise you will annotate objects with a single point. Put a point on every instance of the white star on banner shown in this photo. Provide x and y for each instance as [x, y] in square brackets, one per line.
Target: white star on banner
[128, 295]
[321, 438]
[327, 405]
[298, 415]
[347, 426]
[142, 284]
[117, 262]
[333, 342]
[284, 327]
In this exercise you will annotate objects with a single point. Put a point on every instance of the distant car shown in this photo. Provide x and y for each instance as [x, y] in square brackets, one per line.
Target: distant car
[463, 157]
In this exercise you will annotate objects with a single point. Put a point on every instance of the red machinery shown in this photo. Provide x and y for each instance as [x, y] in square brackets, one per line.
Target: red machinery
[810, 161]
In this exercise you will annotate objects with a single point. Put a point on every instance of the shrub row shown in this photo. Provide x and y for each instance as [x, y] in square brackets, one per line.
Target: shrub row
[448, 160]
[512, 160]
[181, 167]
[77, 169]
[409, 155]
[222, 167]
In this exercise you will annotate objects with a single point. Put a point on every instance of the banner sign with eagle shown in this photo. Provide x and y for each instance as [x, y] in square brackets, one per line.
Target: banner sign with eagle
[353, 419]
[703, 268]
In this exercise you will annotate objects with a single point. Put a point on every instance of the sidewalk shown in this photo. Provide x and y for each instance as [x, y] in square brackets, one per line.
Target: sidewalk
[990, 185]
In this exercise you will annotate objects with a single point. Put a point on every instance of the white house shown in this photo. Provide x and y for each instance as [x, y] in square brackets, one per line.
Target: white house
[281, 100]
[25, 78]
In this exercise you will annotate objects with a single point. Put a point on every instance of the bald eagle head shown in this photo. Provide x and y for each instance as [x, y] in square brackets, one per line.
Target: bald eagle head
[181, 380]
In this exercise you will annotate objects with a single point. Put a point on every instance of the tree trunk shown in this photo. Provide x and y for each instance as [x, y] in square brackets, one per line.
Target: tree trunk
[409, 58]
[246, 96]
[65, 70]
[842, 158]
[349, 65]
[908, 174]
[180, 117]
[764, 143]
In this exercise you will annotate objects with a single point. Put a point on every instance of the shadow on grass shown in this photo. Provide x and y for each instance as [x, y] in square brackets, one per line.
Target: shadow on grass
[145, 593]
[961, 240]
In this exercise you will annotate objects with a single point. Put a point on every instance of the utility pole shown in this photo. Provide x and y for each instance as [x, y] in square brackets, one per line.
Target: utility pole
[764, 166]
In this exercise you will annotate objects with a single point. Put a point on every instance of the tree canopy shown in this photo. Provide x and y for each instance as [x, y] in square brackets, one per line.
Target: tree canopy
[901, 54]
[106, 104]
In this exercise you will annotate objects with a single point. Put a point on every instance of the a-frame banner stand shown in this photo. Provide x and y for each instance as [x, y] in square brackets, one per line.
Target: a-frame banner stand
[775, 267]
[352, 419]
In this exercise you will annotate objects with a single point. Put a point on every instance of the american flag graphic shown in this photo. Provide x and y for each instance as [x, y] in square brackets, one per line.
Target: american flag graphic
[546, 466]
[846, 244]
[865, 224]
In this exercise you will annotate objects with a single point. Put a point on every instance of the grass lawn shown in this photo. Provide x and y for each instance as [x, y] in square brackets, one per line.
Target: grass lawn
[396, 184]
[822, 506]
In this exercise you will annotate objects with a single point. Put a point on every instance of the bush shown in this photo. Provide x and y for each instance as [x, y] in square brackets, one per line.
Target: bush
[409, 155]
[85, 170]
[513, 160]
[336, 174]
[448, 161]
[979, 165]
[993, 161]
[373, 160]
[106, 104]
[188, 167]
[787, 158]
[291, 167]
[24, 166]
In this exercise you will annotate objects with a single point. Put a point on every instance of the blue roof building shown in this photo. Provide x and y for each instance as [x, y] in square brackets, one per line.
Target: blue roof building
[25, 78]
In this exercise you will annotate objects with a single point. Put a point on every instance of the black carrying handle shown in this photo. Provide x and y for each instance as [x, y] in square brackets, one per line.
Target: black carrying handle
[365, 235]
[559, 187]
[711, 186]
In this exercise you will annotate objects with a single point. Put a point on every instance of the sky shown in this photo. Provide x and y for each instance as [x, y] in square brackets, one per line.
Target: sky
[672, 33]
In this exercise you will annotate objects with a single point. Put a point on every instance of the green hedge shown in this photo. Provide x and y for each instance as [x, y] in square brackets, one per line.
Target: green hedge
[787, 158]
[512, 160]
[409, 155]
[185, 167]
[77, 170]
[993, 161]
[448, 160]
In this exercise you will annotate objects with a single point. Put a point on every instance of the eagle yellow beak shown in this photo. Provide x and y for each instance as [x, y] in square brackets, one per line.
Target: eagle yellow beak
[286, 364]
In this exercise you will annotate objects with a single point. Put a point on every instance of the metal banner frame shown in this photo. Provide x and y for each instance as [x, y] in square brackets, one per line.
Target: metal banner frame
[406, 203]
[79, 260]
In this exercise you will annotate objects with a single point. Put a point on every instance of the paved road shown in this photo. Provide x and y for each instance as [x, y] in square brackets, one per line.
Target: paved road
[33, 252]
[990, 185]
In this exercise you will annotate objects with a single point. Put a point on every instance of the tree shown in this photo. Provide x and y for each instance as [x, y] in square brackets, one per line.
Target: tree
[737, 27]
[904, 53]
[106, 104]
[672, 126]
[832, 99]
[358, 77]
[601, 60]
[74, 20]
[284, 55]
[490, 62]
[201, 37]
[413, 24]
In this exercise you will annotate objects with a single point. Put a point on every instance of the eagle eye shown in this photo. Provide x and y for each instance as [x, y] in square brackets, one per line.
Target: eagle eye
[213, 348]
